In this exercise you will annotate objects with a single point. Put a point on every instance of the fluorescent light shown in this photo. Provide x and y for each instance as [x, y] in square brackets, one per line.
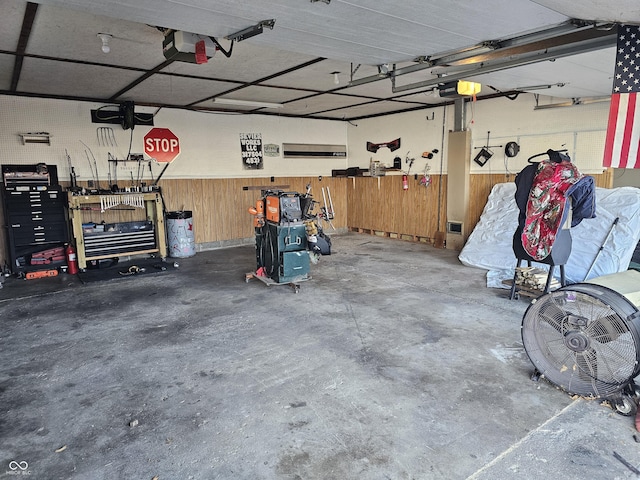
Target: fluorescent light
[246, 103]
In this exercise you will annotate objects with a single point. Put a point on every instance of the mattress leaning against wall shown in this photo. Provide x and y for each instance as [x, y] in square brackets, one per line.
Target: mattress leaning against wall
[489, 245]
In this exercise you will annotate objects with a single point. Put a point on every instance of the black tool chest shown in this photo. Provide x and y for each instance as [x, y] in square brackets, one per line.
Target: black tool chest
[35, 217]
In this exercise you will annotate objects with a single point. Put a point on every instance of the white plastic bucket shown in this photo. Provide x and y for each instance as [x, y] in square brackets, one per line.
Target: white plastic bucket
[182, 243]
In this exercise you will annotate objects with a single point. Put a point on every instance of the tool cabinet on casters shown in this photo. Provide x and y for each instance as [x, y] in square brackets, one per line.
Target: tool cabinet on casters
[35, 217]
[112, 244]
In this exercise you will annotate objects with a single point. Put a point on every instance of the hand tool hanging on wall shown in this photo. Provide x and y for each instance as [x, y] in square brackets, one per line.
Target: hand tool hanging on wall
[106, 137]
[93, 178]
[425, 181]
[405, 176]
[95, 165]
[72, 173]
[112, 160]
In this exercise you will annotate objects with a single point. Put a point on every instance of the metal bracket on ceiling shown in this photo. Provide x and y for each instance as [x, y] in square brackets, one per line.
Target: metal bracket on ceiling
[241, 35]
[575, 101]
[252, 30]
[568, 38]
[353, 71]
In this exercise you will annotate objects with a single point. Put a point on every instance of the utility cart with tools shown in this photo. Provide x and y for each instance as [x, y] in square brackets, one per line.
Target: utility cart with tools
[288, 238]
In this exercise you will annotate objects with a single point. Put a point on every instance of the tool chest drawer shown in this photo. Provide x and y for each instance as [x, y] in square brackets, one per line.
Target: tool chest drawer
[48, 232]
[51, 196]
[35, 217]
[122, 240]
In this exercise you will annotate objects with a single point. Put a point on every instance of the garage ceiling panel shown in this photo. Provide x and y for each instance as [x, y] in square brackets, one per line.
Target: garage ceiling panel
[79, 81]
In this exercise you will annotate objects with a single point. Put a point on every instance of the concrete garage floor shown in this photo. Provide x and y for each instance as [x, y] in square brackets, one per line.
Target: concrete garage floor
[393, 362]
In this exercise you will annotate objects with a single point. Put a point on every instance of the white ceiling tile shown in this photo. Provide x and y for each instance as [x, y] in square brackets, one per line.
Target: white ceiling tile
[79, 81]
[6, 68]
[169, 90]
[246, 64]
[619, 11]
[347, 36]
[55, 33]
[12, 14]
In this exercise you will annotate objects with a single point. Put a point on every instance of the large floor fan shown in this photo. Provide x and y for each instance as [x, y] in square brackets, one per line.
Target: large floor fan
[585, 338]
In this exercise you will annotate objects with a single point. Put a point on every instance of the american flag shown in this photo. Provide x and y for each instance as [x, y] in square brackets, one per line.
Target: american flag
[622, 146]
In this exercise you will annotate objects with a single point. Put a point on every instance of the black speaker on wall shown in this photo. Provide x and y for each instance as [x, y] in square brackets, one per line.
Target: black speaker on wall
[127, 115]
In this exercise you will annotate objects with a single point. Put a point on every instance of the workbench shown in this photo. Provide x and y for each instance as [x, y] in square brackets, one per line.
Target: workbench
[110, 244]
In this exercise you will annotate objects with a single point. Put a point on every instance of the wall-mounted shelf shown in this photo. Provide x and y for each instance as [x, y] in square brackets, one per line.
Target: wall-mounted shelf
[38, 137]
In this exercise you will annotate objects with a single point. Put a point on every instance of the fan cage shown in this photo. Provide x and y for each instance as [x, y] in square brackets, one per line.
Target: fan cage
[584, 338]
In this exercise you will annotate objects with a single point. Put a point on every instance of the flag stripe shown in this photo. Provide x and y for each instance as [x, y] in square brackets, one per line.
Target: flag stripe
[634, 141]
[622, 143]
[611, 131]
[627, 130]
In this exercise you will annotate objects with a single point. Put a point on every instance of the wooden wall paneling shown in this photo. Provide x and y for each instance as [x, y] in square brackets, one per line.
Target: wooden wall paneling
[413, 207]
[178, 196]
[358, 198]
[231, 209]
[354, 215]
[482, 184]
[430, 216]
[605, 179]
[390, 209]
[368, 200]
[205, 203]
[245, 198]
[480, 187]
[220, 205]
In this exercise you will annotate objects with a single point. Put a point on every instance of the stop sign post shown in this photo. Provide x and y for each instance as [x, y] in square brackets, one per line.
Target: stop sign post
[162, 145]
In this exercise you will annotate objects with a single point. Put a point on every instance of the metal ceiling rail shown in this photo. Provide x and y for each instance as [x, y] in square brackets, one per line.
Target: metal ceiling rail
[568, 38]
[511, 61]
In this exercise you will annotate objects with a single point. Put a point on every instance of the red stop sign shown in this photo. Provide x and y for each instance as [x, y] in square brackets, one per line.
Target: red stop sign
[162, 145]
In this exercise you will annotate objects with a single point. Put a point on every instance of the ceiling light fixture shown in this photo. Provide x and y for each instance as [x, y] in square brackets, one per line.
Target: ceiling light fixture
[383, 70]
[246, 103]
[105, 37]
[336, 77]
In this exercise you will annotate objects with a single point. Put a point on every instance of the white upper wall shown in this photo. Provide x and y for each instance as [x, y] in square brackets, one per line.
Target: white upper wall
[581, 129]
[210, 143]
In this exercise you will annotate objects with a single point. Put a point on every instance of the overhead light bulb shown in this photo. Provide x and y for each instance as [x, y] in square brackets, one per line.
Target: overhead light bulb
[105, 37]
[336, 78]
